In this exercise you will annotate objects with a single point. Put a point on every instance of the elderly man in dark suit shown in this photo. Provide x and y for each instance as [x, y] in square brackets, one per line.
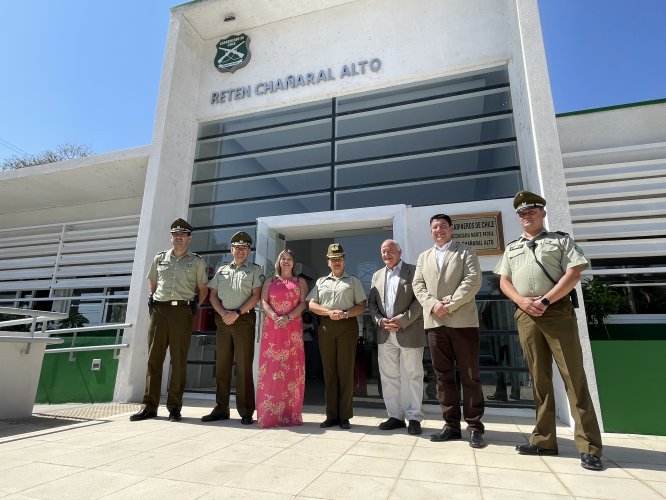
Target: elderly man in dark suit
[446, 281]
[400, 338]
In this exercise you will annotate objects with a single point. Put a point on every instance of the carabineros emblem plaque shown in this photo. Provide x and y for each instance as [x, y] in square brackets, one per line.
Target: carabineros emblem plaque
[233, 53]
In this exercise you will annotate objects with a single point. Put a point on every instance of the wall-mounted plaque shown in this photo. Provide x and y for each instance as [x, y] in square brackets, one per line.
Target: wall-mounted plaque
[482, 231]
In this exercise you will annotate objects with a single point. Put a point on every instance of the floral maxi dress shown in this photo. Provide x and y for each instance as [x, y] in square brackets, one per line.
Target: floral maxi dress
[281, 382]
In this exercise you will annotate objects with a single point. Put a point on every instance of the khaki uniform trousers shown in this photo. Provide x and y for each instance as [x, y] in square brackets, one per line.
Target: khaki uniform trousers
[555, 336]
[238, 340]
[170, 326]
[337, 344]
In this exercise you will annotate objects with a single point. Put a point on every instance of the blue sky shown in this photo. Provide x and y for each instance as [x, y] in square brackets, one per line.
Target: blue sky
[88, 72]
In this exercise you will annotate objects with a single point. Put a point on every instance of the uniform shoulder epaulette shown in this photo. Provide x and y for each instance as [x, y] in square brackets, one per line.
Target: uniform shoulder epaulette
[162, 253]
[512, 241]
[196, 255]
[562, 233]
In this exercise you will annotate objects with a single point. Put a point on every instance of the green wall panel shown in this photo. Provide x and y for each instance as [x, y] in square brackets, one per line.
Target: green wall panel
[631, 380]
[64, 381]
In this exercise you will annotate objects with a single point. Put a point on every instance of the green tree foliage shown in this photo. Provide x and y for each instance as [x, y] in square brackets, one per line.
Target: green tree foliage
[60, 153]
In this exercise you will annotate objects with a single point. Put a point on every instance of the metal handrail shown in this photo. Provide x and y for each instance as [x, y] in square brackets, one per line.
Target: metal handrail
[118, 327]
[35, 317]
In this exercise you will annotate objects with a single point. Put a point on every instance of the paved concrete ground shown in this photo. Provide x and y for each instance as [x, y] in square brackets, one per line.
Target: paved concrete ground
[93, 451]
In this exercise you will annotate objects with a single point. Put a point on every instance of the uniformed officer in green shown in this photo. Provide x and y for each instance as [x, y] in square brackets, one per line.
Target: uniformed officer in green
[338, 298]
[175, 277]
[547, 326]
[234, 291]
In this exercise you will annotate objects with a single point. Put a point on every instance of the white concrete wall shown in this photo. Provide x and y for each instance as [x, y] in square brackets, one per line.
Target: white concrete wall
[167, 191]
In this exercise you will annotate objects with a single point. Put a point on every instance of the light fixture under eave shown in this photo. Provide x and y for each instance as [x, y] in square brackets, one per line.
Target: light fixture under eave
[229, 17]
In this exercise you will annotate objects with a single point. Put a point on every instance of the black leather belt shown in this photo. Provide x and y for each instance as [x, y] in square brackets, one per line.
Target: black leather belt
[174, 302]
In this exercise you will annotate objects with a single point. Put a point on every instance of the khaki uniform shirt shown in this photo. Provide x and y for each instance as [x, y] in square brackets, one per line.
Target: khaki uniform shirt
[557, 252]
[337, 293]
[177, 277]
[234, 284]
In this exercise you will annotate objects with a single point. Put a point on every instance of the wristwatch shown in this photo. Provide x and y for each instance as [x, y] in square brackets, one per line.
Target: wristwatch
[545, 301]
[238, 311]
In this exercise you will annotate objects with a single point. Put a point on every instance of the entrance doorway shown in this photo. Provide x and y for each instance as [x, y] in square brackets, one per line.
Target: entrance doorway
[360, 232]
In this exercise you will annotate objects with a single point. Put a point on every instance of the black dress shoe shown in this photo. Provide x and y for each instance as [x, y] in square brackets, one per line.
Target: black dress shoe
[392, 423]
[246, 420]
[476, 440]
[174, 416]
[143, 415]
[344, 423]
[532, 449]
[445, 434]
[414, 428]
[329, 422]
[590, 462]
[212, 417]
[498, 396]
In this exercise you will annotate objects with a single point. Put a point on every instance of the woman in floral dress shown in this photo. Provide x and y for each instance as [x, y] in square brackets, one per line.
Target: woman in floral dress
[282, 359]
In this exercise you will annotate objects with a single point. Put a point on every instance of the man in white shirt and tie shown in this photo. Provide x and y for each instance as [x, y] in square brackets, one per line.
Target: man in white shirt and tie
[400, 338]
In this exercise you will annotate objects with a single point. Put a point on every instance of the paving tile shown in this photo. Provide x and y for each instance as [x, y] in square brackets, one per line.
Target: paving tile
[514, 461]
[618, 454]
[407, 489]
[90, 458]
[145, 464]
[84, 485]
[40, 452]
[443, 455]
[20, 479]
[245, 453]
[273, 479]
[398, 436]
[502, 494]
[225, 493]
[439, 473]
[658, 486]
[206, 471]
[193, 448]
[143, 443]
[382, 450]
[341, 486]
[317, 443]
[596, 486]
[302, 458]
[645, 472]
[521, 480]
[161, 488]
[370, 466]
[10, 463]
[571, 465]
[275, 438]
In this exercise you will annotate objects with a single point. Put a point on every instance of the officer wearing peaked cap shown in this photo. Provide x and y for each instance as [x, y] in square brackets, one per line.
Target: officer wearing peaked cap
[338, 298]
[234, 291]
[537, 272]
[175, 276]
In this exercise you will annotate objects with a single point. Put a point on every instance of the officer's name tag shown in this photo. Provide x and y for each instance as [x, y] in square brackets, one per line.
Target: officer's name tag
[224, 274]
[164, 263]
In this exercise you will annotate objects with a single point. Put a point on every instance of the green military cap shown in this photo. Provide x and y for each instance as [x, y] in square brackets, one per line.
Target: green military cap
[335, 251]
[525, 200]
[241, 239]
[181, 226]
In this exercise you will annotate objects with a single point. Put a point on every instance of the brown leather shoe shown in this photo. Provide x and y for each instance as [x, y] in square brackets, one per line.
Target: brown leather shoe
[445, 434]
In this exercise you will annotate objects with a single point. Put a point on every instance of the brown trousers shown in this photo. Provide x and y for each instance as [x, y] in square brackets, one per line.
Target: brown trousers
[170, 327]
[461, 345]
[238, 340]
[337, 344]
[555, 336]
